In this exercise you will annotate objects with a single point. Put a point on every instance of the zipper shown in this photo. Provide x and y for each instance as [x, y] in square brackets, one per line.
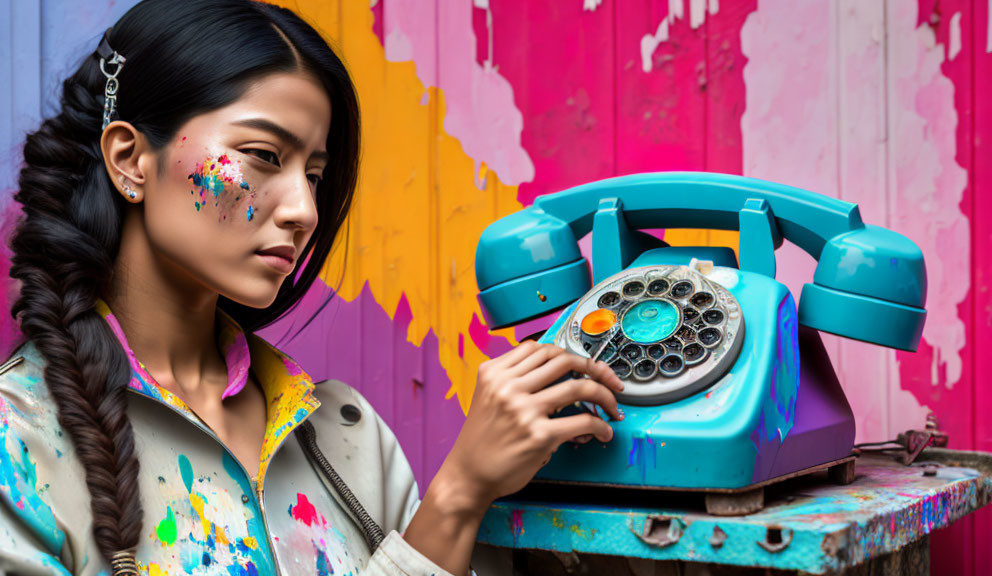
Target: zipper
[11, 363]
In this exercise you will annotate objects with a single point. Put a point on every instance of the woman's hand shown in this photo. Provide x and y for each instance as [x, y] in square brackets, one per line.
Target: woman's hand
[508, 435]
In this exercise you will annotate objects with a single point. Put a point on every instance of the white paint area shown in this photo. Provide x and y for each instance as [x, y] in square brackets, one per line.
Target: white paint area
[988, 30]
[697, 13]
[826, 112]
[590, 5]
[954, 41]
[479, 108]
[926, 183]
[676, 11]
[650, 43]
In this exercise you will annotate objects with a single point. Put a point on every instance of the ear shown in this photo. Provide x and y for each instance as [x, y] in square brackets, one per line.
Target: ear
[127, 156]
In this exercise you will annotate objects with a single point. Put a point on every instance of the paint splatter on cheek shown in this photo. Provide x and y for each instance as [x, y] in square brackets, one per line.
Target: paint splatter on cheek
[219, 182]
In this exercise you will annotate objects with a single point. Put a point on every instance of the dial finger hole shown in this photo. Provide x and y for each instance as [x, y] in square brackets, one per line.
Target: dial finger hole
[671, 365]
[633, 288]
[702, 299]
[713, 316]
[673, 344]
[681, 289]
[656, 351]
[709, 336]
[609, 354]
[644, 369]
[693, 353]
[609, 300]
[657, 287]
[689, 314]
[621, 368]
[631, 352]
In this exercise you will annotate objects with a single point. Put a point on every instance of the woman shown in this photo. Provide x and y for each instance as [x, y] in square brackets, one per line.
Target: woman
[186, 194]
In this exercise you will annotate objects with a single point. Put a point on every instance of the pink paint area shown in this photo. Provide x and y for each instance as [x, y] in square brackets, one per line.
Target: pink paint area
[559, 59]
[479, 100]
[234, 347]
[491, 346]
[141, 380]
[516, 523]
[10, 334]
[305, 513]
[218, 182]
[357, 342]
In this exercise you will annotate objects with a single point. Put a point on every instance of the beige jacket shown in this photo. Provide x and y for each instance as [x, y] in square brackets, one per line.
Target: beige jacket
[203, 513]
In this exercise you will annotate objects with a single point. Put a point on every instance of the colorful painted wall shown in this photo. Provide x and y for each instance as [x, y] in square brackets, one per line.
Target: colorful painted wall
[472, 108]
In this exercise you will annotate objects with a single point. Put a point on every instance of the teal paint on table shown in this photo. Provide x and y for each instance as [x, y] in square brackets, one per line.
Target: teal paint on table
[831, 527]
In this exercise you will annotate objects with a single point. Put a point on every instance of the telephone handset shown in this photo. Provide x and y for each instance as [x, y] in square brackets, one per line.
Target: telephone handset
[723, 371]
[528, 264]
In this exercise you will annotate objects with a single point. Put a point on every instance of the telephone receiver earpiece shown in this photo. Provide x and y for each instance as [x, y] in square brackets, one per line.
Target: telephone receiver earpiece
[869, 284]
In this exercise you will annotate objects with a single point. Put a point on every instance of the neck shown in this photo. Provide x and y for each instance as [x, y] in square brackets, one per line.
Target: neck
[169, 321]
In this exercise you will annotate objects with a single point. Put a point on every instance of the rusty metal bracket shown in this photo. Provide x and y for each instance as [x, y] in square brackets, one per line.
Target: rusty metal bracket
[908, 445]
[660, 531]
[776, 539]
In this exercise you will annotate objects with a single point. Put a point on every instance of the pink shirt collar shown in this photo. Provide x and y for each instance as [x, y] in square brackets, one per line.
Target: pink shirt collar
[230, 340]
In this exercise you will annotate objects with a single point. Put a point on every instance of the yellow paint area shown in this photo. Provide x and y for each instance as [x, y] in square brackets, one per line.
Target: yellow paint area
[418, 214]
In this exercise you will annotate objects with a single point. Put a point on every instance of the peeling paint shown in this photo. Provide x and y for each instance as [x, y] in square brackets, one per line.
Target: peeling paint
[954, 42]
[697, 17]
[591, 5]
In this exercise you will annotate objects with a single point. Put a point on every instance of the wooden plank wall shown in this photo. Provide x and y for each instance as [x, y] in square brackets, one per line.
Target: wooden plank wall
[472, 108]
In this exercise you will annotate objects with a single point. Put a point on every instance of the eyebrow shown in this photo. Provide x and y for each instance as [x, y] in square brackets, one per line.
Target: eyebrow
[281, 133]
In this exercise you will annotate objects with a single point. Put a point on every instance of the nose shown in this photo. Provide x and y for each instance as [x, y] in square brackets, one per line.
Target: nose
[297, 208]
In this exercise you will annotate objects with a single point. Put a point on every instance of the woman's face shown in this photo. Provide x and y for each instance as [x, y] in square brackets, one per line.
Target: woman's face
[235, 203]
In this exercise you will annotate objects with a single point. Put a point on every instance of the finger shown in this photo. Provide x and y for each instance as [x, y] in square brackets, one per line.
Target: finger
[557, 366]
[515, 355]
[538, 357]
[554, 398]
[568, 427]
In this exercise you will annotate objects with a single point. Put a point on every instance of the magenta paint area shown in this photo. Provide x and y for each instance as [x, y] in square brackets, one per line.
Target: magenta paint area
[219, 182]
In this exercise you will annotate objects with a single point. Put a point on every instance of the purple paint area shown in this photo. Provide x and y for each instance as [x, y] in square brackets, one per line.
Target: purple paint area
[824, 423]
[357, 343]
[10, 335]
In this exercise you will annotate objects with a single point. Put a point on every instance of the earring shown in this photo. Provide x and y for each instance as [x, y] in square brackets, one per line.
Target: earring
[127, 188]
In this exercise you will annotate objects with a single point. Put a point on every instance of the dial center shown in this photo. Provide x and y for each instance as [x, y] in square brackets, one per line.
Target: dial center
[650, 321]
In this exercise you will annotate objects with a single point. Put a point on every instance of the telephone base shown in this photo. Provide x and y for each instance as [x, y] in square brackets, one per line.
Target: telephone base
[718, 501]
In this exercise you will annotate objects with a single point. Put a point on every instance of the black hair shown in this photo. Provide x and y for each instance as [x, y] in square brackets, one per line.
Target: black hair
[183, 59]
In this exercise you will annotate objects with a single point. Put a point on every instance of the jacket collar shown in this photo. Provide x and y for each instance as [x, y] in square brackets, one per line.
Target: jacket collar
[288, 389]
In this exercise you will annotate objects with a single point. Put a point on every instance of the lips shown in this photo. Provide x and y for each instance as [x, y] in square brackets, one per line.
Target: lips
[282, 258]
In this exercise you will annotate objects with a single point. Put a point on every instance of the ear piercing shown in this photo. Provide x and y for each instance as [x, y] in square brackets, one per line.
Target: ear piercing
[128, 189]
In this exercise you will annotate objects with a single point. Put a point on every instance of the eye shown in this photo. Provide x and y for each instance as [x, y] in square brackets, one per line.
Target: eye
[264, 155]
[315, 179]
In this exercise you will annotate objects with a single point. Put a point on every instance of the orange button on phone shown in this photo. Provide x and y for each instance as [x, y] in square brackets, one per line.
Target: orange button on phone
[598, 321]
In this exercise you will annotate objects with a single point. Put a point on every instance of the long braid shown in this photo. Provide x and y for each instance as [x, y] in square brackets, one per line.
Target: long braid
[63, 253]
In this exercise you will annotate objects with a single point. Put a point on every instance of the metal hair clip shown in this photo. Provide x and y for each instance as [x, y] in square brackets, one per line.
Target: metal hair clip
[109, 56]
[123, 563]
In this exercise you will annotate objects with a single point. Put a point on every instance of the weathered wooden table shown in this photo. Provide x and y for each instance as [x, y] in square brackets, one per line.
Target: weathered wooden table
[879, 524]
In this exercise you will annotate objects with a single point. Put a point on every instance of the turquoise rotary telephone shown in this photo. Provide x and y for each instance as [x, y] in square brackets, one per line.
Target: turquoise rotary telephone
[728, 385]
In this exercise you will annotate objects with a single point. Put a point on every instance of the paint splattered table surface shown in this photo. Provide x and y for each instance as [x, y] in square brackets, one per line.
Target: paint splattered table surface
[807, 524]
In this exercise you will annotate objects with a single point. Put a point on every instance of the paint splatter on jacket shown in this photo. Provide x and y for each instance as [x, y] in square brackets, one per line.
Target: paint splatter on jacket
[203, 513]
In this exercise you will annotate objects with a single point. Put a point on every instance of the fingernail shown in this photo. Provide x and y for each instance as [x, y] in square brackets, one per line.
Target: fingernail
[621, 413]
